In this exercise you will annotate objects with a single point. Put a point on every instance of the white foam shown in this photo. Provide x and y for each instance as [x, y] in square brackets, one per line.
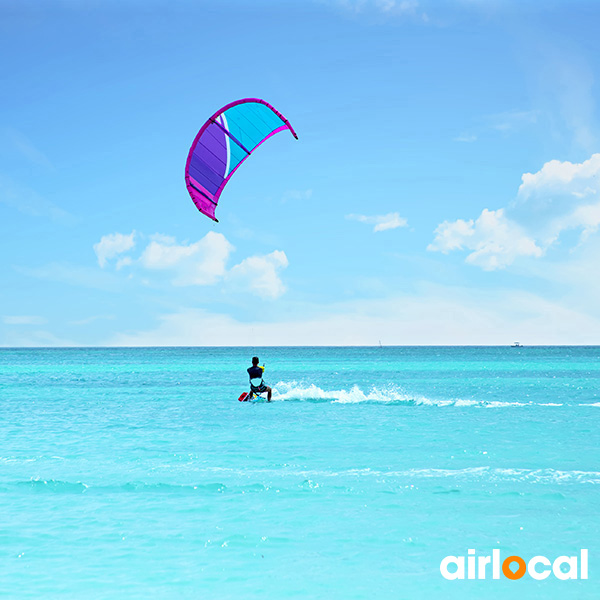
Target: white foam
[480, 473]
[313, 393]
[294, 391]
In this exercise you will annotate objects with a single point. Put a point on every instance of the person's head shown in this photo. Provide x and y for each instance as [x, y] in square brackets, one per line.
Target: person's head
[254, 361]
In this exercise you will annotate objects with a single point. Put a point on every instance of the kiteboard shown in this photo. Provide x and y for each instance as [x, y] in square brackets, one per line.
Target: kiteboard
[250, 397]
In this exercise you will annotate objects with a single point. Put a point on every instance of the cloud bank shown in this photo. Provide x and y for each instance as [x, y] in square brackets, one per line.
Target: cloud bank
[436, 316]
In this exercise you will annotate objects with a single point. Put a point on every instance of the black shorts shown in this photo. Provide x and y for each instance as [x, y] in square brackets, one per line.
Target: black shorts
[258, 389]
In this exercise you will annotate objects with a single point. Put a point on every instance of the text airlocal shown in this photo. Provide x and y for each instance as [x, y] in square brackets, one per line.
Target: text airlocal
[514, 567]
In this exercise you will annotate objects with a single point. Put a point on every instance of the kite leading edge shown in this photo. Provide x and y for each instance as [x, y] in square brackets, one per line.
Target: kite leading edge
[223, 143]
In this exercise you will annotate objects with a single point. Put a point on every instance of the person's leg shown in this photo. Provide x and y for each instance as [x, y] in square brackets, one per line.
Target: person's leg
[268, 394]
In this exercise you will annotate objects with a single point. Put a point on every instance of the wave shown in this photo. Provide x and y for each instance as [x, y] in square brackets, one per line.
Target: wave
[294, 391]
[37, 484]
[52, 485]
[314, 480]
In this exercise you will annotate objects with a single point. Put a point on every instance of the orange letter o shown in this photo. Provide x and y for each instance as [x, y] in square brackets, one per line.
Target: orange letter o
[519, 572]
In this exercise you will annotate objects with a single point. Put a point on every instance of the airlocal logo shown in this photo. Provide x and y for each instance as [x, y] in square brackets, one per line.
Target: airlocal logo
[514, 567]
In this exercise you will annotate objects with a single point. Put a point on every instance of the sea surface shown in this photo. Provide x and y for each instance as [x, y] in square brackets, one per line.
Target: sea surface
[136, 473]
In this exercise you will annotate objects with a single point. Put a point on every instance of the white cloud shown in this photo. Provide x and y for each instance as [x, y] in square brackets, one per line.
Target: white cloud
[562, 178]
[381, 222]
[260, 274]
[162, 238]
[203, 262]
[23, 320]
[112, 245]
[452, 235]
[587, 217]
[559, 197]
[123, 262]
[199, 263]
[494, 240]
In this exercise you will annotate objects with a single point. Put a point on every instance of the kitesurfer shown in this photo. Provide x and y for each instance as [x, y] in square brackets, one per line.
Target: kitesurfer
[257, 385]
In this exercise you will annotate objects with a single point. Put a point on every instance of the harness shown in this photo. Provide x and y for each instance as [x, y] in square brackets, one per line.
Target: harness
[257, 385]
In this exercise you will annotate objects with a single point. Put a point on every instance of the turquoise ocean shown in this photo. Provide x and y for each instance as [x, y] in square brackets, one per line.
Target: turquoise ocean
[136, 473]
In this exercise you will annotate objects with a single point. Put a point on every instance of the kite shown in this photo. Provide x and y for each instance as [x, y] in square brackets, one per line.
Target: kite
[225, 141]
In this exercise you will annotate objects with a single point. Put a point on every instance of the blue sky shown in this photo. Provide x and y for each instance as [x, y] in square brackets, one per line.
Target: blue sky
[444, 188]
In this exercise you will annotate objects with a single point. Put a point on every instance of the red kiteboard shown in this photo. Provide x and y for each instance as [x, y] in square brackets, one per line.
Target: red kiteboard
[244, 397]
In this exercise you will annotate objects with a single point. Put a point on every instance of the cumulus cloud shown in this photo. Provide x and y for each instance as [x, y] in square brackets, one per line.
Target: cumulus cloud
[381, 222]
[560, 196]
[260, 274]
[494, 240]
[561, 177]
[123, 262]
[112, 245]
[198, 263]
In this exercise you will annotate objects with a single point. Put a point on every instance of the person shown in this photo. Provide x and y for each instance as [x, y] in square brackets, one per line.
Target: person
[257, 385]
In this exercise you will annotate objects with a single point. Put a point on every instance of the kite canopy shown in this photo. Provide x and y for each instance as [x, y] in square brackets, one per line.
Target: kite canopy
[225, 141]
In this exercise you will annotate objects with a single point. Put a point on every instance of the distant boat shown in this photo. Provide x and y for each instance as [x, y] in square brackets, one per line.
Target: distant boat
[380, 344]
[517, 345]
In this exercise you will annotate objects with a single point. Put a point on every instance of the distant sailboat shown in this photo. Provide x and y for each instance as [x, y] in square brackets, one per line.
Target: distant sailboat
[517, 345]
[380, 344]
